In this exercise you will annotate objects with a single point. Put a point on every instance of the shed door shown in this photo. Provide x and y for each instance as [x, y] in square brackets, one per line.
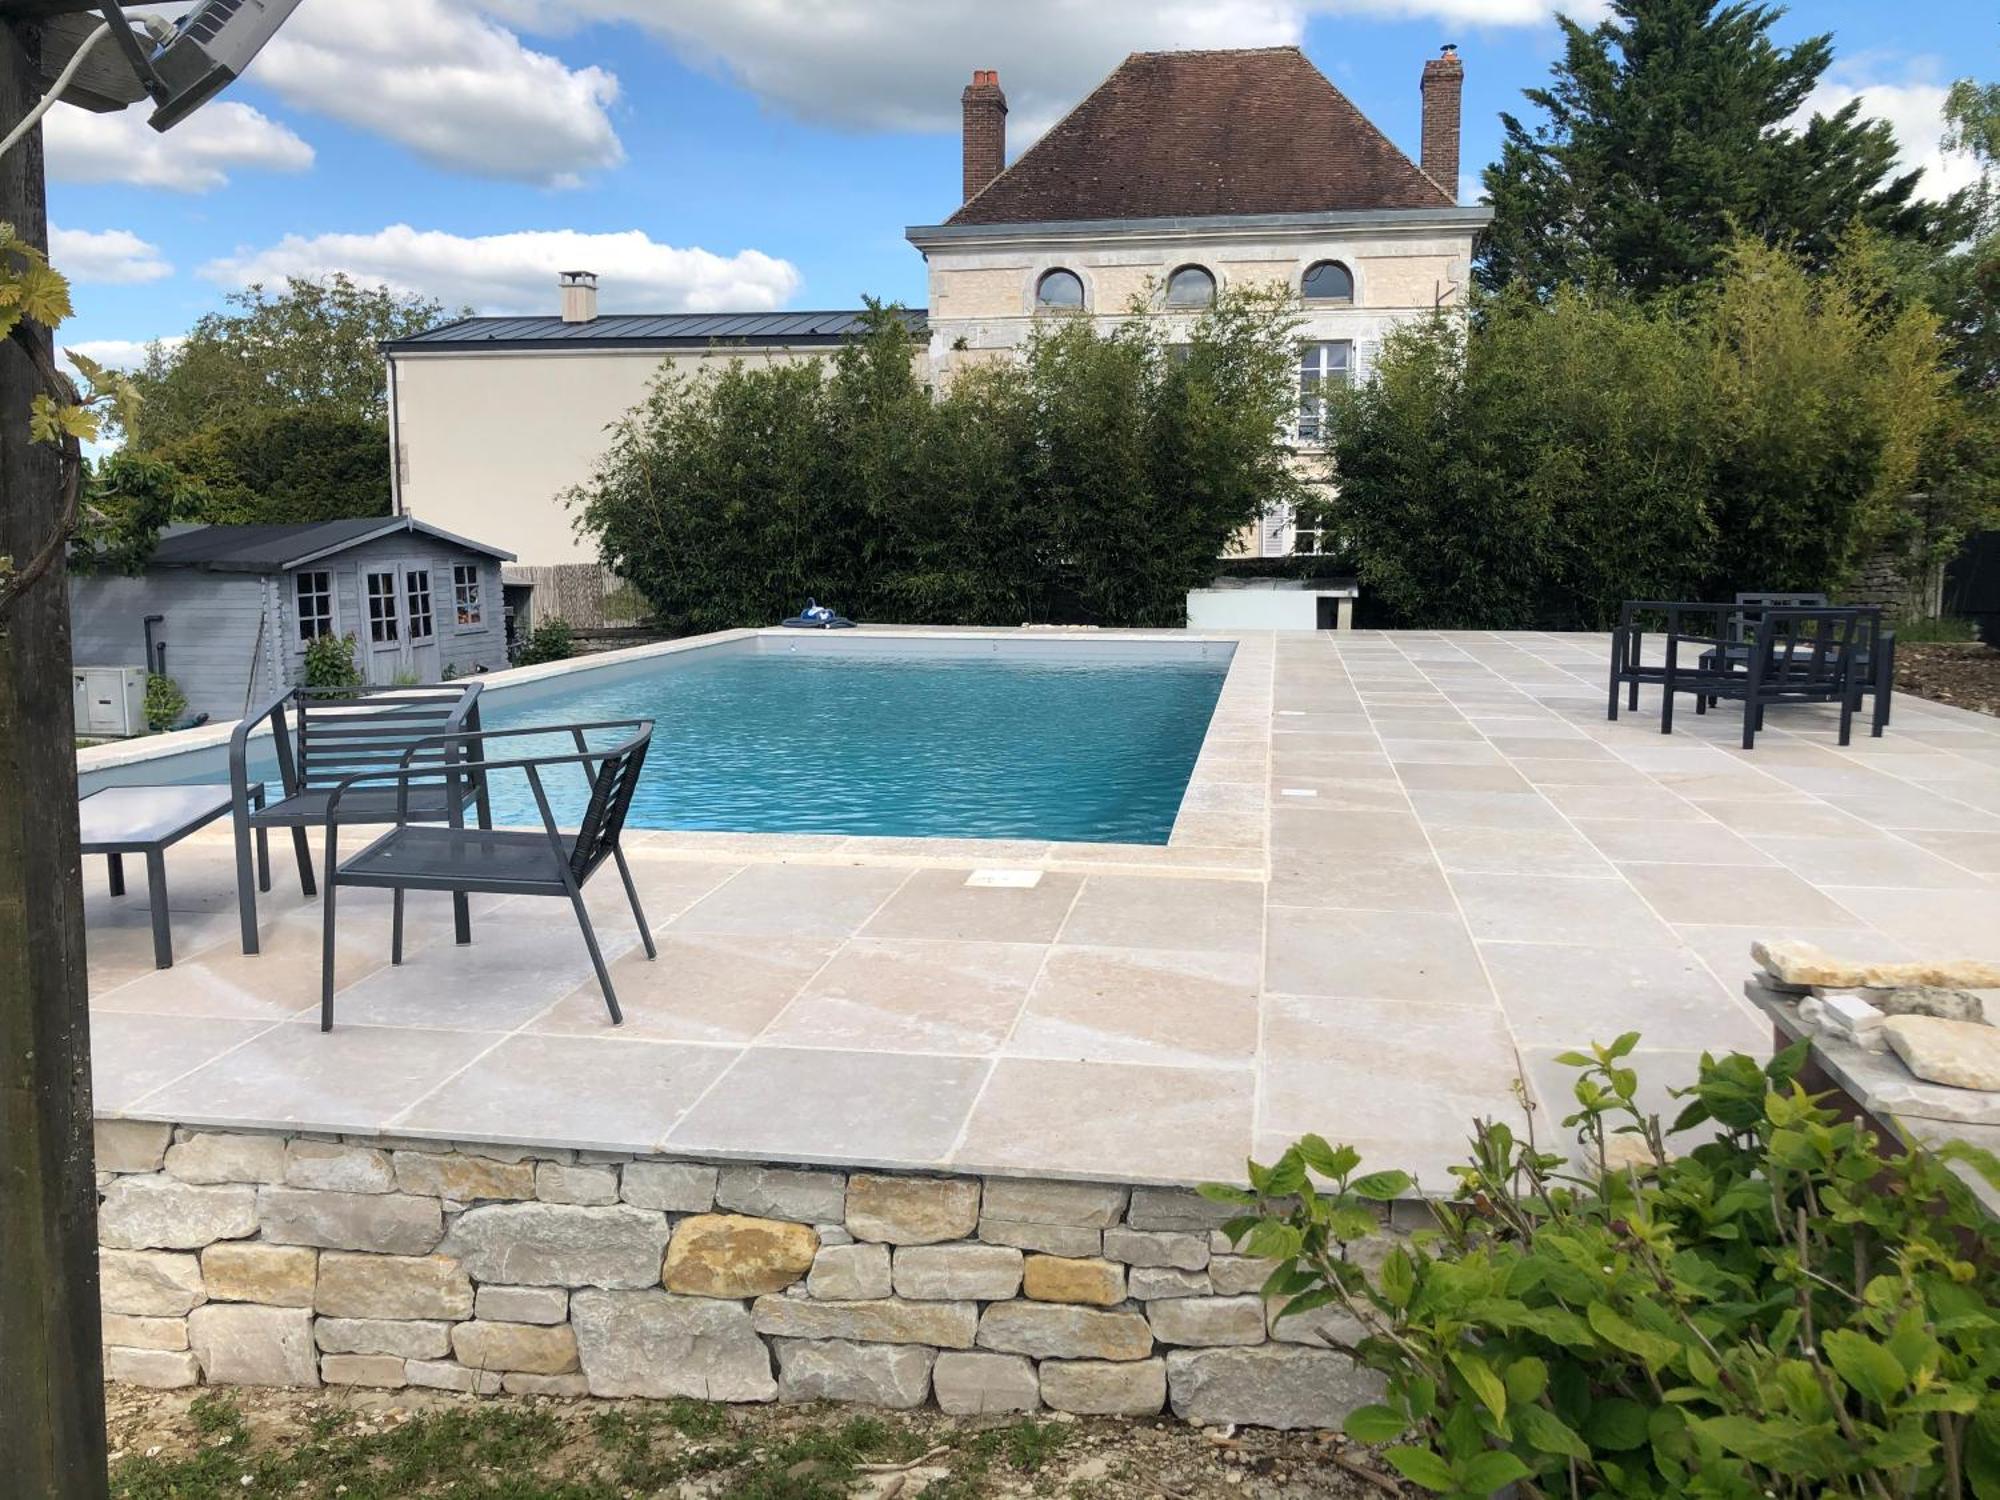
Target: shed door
[402, 624]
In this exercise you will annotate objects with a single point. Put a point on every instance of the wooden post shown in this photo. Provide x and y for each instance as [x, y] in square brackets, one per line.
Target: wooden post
[51, 1370]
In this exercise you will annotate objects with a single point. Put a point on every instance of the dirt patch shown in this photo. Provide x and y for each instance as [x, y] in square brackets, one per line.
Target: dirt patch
[1963, 674]
[361, 1445]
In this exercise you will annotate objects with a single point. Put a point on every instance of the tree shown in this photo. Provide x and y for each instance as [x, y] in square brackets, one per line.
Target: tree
[1668, 129]
[127, 500]
[315, 343]
[310, 463]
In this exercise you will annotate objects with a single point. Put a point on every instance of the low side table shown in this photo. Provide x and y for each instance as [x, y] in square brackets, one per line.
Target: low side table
[122, 820]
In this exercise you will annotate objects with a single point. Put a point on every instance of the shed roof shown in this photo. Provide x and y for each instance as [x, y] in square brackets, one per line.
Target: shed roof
[656, 331]
[274, 549]
[1184, 134]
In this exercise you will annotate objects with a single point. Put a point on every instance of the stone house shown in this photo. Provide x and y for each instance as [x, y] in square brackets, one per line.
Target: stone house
[1181, 174]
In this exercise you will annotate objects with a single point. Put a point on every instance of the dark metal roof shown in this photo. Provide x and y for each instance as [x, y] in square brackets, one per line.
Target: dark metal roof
[655, 331]
[272, 549]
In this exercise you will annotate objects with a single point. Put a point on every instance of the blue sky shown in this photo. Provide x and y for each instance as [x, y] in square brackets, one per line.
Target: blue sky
[733, 153]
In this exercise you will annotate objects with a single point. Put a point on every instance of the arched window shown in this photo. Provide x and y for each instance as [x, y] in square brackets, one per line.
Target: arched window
[1060, 289]
[1328, 281]
[1191, 286]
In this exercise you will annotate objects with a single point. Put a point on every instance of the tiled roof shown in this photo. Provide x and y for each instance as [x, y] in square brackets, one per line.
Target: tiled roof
[271, 549]
[1176, 134]
[657, 330]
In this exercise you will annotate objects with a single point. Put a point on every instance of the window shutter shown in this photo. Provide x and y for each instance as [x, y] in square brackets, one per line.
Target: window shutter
[1271, 529]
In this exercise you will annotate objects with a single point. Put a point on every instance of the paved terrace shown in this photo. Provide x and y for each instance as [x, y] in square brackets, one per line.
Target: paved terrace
[1410, 868]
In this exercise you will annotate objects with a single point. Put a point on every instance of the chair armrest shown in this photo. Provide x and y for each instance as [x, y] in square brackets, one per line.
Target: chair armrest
[239, 743]
[534, 762]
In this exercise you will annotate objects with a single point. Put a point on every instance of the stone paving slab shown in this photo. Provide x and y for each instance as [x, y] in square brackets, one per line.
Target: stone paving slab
[1410, 868]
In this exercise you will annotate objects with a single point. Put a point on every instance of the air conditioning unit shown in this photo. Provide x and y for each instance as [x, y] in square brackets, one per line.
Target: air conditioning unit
[110, 701]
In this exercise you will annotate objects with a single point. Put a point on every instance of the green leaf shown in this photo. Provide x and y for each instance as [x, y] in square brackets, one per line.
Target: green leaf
[1617, 1424]
[1381, 1187]
[1526, 1378]
[1423, 1467]
[1546, 1432]
[1484, 1383]
[1655, 1349]
[1221, 1192]
[1375, 1424]
[1397, 1278]
[1329, 1161]
[1865, 1365]
[1486, 1472]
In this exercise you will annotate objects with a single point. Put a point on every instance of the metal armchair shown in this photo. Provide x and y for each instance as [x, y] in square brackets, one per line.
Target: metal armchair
[419, 855]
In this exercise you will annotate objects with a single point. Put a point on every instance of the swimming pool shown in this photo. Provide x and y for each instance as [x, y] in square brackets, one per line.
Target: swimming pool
[973, 738]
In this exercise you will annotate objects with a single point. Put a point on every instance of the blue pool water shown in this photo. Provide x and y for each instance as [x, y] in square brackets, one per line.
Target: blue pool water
[1091, 747]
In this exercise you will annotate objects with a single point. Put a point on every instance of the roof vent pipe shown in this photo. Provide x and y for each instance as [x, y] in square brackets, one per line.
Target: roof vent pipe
[579, 296]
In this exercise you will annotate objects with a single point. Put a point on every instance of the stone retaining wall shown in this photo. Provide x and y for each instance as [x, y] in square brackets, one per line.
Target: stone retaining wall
[297, 1260]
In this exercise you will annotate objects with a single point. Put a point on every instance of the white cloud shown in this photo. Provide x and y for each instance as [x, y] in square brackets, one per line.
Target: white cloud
[899, 64]
[107, 257]
[196, 156]
[115, 354]
[517, 272]
[1914, 109]
[457, 89]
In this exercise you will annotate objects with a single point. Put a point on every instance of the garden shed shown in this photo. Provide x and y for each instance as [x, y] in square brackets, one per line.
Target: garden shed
[228, 611]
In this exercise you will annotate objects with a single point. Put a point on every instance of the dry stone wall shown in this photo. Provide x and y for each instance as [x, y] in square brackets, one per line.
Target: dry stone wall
[291, 1260]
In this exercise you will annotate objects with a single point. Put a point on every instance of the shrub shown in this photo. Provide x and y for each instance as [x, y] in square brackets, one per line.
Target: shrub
[551, 640]
[1784, 1309]
[165, 702]
[330, 662]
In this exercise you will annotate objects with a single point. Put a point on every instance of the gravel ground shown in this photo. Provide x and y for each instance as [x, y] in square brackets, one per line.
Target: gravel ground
[1965, 675]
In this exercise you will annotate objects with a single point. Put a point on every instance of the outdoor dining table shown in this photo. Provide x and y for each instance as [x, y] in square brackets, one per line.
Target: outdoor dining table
[122, 820]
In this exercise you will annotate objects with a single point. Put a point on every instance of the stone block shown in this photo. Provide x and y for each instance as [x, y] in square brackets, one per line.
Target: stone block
[213, 1157]
[443, 1375]
[1176, 1209]
[1049, 1330]
[149, 1283]
[850, 1273]
[559, 1182]
[657, 1345]
[462, 1178]
[531, 1348]
[156, 1369]
[957, 1273]
[240, 1344]
[124, 1331]
[1071, 1240]
[947, 1325]
[1180, 1251]
[679, 1187]
[1038, 1201]
[911, 1210]
[130, 1146]
[330, 1167]
[405, 1340]
[381, 1371]
[1961, 1054]
[560, 1244]
[1314, 1327]
[783, 1193]
[1802, 966]
[520, 1383]
[158, 1213]
[734, 1255]
[1274, 1385]
[1235, 1275]
[897, 1376]
[1157, 1284]
[1056, 1278]
[392, 1286]
[522, 1304]
[1105, 1388]
[970, 1384]
[383, 1223]
[1208, 1321]
[252, 1271]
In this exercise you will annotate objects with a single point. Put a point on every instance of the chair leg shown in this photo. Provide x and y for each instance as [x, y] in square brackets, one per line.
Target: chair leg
[461, 918]
[1847, 701]
[396, 926]
[632, 895]
[1617, 665]
[596, 958]
[263, 859]
[304, 851]
[246, 892]
[326, 961]
[1750, 724]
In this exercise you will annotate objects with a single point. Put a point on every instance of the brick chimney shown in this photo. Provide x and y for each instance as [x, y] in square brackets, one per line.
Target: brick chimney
[1444, 80]
[579, 296]
[985, 109]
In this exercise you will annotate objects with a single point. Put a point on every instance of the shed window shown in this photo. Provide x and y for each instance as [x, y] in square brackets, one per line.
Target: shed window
[1191, 286]
[382, 626]
[465, 592]
[314, 593]
[1320, 366]
[1328, 281]
[1060, 289]
[417, 589]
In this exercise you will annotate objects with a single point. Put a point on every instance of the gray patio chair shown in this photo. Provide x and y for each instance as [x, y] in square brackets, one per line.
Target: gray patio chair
[427, 856]
[321, 735]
